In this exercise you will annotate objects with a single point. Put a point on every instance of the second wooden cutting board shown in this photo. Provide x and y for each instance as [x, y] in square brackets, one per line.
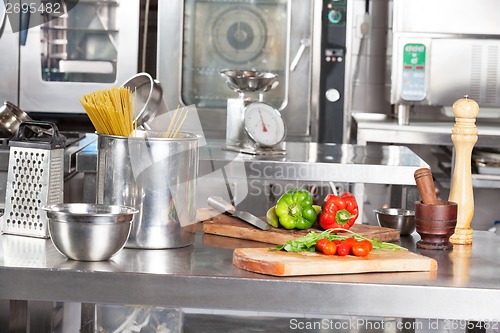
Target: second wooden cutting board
[224, 225]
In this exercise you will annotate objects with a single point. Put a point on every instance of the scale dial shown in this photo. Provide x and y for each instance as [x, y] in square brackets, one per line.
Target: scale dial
[264, 124]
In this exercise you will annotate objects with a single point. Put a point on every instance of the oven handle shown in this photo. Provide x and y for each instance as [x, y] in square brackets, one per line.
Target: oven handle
[24, 23]
[304, 43]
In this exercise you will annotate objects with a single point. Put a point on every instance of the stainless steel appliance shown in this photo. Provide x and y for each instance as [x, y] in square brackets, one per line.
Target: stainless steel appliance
[452, 52]
[333, 101]
[302, 41]
[85, 47]
[295, 39]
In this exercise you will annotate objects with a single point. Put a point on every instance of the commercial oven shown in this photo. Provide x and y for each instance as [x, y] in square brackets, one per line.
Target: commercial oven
[53, 55]
[302, 41]
[453, 51]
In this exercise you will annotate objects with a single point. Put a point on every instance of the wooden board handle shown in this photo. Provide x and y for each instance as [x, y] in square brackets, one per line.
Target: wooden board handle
[425, 186]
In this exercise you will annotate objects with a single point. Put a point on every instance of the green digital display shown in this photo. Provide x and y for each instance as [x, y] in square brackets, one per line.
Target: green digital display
[414, 55]
[413, 83]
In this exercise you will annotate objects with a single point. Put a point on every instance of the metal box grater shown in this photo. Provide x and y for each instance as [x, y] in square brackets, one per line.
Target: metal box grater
[35, 178]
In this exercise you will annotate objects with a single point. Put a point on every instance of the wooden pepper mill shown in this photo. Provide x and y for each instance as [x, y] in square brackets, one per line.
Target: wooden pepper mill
[464, 137]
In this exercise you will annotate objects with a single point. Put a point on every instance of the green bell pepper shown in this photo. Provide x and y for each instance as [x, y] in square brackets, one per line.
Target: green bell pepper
[295, 210]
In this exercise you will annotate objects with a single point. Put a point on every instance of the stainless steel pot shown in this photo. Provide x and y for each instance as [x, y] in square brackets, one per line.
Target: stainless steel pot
[157, 176]
[10, 118]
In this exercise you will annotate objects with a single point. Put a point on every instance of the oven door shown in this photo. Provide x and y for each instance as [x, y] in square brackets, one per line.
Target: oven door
[94, 46]
[198, 38]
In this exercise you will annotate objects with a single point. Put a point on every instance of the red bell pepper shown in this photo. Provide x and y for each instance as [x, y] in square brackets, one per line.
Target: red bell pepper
[338, 211]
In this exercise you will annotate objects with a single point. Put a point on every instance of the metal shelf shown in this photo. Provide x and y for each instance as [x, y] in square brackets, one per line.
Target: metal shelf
[61, 28]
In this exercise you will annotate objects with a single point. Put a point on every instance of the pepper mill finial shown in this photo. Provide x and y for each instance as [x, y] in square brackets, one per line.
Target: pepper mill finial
[464, 137]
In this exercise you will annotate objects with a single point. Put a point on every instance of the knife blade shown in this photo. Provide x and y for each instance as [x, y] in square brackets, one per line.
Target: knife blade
[225, 207]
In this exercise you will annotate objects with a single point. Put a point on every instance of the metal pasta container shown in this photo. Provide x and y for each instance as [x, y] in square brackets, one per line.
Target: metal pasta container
[155, 175]
[35, 178]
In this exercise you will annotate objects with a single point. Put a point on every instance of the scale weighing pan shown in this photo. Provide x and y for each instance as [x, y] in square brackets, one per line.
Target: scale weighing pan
[249, 80]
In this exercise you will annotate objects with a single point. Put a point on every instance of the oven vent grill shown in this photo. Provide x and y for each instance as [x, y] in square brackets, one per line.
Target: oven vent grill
[484, 73]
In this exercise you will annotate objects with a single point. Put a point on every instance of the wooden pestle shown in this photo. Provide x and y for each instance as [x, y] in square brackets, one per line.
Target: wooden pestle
[425, 186]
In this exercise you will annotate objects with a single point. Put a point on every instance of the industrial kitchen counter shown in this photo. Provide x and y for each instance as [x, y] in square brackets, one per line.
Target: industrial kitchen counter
[465, 286]
[304, 162]
[307, 161]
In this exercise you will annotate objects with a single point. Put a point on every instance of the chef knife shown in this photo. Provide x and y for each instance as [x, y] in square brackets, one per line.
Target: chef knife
[225, 207]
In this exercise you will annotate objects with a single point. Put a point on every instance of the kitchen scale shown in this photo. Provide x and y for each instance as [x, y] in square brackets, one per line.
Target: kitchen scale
[253, 126]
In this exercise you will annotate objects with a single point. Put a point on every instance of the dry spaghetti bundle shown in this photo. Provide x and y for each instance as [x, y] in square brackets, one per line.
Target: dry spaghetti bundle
[176, 122]
[111, 111]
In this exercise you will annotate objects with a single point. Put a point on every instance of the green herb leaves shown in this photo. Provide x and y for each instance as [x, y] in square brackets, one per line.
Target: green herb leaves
[307, 243]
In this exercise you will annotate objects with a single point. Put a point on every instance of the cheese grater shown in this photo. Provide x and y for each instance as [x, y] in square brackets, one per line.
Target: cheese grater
[35, 178]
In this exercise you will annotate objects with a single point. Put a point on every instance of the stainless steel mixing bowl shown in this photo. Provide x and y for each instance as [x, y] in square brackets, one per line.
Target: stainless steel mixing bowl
[396, 218]
[89, 232]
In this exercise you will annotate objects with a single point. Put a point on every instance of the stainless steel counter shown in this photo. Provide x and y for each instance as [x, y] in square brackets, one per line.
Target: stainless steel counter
[465, 286]
[303, 163]
[306, 161]
[386, 130]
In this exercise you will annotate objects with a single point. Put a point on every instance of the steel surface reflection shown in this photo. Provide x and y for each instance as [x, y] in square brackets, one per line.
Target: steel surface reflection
[161, 261]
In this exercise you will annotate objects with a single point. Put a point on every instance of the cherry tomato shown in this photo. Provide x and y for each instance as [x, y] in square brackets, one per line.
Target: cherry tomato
[320, 245]
[337, 241]
[350, 242]
[360, 250]
[330, 248]
[367, 243]
[343, 249]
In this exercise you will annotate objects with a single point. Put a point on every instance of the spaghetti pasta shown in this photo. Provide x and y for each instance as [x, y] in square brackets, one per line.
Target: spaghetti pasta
[114, 111]
[111, 111]
[176, 123]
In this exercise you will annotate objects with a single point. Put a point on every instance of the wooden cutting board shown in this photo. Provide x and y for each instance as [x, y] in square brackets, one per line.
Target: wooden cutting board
[224, 225]
[281, 263]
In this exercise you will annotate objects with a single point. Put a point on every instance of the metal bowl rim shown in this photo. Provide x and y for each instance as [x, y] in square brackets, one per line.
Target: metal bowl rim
[394, 212]
[89, 222]
[63, 209]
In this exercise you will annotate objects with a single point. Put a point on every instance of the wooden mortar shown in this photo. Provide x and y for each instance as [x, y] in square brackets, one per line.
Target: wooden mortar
[435, 221]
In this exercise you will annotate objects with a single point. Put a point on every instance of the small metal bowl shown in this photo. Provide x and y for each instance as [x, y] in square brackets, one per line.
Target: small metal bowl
[396, 218]
[89, 232]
